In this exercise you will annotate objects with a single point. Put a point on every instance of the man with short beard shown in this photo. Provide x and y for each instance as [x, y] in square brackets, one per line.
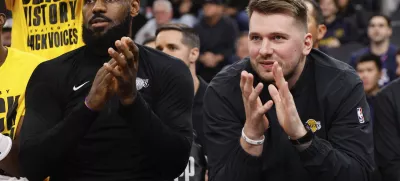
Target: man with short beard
[312, 123]
[110, 110]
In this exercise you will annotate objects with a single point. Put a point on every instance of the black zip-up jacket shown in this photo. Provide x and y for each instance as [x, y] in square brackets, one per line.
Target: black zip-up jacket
[147, 140]
[330, 100]
[387, 131]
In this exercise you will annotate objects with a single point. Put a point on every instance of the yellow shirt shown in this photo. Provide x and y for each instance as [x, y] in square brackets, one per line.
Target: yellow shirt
[47, 29]
[14, 76]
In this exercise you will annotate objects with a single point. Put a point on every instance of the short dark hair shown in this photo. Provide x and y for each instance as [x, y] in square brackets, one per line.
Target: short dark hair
[295, 8]
[189, 35]
[317, 12]
[369, 58]
[388, 21]
[148, 40]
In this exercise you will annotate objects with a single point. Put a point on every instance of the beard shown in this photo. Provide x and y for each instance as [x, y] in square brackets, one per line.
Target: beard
[108, 38]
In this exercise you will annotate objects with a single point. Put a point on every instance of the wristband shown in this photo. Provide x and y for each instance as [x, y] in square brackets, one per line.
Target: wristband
[252, 142]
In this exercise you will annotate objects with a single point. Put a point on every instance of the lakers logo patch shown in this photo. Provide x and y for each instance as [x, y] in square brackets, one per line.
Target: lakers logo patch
[313, 125]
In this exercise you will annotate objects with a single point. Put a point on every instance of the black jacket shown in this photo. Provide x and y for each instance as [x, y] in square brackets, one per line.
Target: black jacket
[148, 140]
[387, 131]
[330, 99]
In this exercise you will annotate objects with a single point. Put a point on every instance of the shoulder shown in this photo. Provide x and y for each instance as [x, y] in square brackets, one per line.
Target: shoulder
[359, 53]
[331, 73]
[24, 58]
[391, 88]
[228, 80]
[163, 66]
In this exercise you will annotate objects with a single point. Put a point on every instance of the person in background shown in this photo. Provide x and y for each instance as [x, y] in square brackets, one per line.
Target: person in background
[6, 33]
[315, 22]
[181, 41]
[398, 62]
[217, 35]
[46, 28]
[150, 42]
[242, 49]
[16, 68]
[369, 68]
[162, 11]
[339, 31]
[387, 131]
[379, 33]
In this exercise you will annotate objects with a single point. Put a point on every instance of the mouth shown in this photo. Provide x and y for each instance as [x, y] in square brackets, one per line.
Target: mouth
[99, 23]
[267, 65]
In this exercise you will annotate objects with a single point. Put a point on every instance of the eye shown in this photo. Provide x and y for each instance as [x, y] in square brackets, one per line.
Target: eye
[255, 38]
[111, 1]
[172, 48]
[278, 37]
[90, 1]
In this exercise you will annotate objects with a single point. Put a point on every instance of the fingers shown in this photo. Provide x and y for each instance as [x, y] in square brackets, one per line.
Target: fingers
[113, 71]
[248, 86]
[255, 94]
[132, 48]
[124, 49]
[275, 96]
[243, 79]
[265, 108]
[278, 75]
[120, 60]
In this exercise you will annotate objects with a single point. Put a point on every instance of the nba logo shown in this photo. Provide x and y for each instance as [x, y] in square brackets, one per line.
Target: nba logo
[360, 115]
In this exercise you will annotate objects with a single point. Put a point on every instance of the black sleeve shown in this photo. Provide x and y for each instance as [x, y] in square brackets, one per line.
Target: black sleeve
[47, 136]
[347, 154]
[387, 135]
[226, 158]
[166, 133]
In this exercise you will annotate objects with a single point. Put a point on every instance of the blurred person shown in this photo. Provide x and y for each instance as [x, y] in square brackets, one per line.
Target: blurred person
[242, 49]
[369, 68]
[315, 22]
[162, 11]
[339, 31]
[150, 42]
[110, 110]
[387, 131]
[398, 62]
[312, 123]
[217, 35]
[6, 33]
[379, 33]
[182, 42]
[237, 10]
[16, 68]
[46, 28]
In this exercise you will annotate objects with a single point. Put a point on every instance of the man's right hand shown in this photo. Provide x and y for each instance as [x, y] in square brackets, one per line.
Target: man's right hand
[256, 121]
[102, 88]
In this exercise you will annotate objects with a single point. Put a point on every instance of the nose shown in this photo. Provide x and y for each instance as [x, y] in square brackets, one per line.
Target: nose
[266, 48]
[99, 7]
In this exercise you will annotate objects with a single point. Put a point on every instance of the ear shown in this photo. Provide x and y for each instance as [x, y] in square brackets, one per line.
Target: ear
[2, 20]
[390, 31]
[308, 44]
[135, 7]
[194, 55]
[321, 31]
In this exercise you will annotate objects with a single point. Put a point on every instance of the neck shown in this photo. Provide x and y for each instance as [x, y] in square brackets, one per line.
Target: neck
[213, 20]
[196, 80]
[296, 74]
[3, 54]
[330, 19]
[379, 48]
[373, 92]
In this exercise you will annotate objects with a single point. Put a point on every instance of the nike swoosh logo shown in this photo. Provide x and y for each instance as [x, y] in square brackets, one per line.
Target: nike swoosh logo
[77, 88]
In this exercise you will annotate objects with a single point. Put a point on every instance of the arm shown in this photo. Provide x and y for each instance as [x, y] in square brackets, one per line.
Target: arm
[386, 136]
[47, 135]
[166, 132]
[347, 154]
[222, 128]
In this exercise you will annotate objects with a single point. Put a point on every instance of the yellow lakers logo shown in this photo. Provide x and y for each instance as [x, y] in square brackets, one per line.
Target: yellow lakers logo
[313, 125]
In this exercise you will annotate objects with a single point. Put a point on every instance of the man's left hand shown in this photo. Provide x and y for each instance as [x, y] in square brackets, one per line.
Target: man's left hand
[286, 111]
[127, 58]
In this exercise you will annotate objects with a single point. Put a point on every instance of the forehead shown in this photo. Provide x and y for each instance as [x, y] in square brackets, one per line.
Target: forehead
[169, 37]
[378, 20]
[366, 64]
[266, 24]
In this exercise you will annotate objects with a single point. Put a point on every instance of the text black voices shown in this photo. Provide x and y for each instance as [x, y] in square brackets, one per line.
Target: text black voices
[57, 12]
